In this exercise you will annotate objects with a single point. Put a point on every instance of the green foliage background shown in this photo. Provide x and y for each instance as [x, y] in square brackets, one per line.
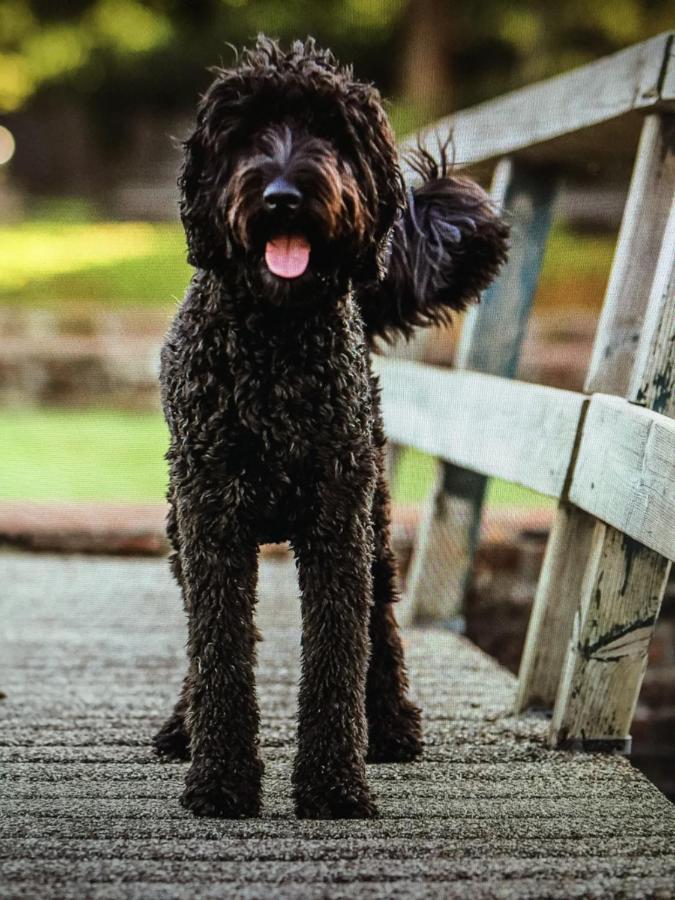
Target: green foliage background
[152, 53]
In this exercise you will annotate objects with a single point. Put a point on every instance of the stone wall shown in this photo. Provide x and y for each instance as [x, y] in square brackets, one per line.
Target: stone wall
[85, 356]
[81, 357]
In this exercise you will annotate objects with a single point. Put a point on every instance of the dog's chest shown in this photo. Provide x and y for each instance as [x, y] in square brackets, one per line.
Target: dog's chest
[297, 396]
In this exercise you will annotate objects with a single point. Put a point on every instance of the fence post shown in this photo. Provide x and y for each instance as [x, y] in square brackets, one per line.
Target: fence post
[490, 342]
[573, 543]
[624, 581]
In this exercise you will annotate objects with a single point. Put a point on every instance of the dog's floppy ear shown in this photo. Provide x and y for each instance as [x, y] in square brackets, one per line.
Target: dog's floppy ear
[206, 168]
[377, 171]
[195, 203]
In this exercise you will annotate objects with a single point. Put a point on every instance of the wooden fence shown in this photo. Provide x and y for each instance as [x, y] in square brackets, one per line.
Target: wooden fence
[608, 454]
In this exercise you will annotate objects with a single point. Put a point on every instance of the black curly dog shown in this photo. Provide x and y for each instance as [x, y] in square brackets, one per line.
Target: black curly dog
[306, 250]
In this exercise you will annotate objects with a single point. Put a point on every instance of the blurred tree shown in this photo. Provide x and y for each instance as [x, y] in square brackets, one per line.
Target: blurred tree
[435, 53]
[503, 44]
[425, 84]
[133, 53]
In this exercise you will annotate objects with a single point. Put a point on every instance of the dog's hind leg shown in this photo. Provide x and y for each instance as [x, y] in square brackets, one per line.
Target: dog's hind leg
[394, 729]
[329, 775]
[172, 741]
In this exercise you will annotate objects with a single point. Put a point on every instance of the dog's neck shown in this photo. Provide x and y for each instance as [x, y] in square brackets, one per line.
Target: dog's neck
[256, 321]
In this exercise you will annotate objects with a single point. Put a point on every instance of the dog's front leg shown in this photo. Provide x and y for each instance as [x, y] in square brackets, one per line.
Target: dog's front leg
[219, 574]
[329, 776]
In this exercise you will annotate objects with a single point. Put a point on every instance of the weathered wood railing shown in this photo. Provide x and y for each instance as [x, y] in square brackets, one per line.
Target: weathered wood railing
[608, 454]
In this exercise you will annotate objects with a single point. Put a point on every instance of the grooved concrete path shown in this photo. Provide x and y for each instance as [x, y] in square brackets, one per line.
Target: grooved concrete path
[92, 658]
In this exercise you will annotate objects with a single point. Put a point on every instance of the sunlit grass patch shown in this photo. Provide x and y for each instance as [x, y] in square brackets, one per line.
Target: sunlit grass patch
[36, 250]
[46, 262]
[576, 255]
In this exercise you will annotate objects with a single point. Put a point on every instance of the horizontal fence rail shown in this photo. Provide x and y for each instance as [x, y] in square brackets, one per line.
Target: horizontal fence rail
[498, 427]
[622, 471]
[639, 78]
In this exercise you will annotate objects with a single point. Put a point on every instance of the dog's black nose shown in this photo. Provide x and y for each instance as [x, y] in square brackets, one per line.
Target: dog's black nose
[281, 196]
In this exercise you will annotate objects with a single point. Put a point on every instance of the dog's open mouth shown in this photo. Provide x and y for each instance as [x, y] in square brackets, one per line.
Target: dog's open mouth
[287, 255]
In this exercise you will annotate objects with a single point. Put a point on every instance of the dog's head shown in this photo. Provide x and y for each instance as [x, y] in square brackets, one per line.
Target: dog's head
[291, 170]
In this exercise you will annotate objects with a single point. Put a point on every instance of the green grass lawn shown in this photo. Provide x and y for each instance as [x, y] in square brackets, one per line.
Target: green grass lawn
[63, 256]
[112, 455]
[416, 475]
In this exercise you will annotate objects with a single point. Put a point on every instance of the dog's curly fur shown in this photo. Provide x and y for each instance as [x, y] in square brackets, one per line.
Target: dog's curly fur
[274, 414]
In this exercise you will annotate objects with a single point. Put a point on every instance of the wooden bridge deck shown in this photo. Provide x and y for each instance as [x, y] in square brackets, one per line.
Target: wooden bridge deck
[92, 659]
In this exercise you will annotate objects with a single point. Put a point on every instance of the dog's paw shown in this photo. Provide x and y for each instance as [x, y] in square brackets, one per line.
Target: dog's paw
[220, 801]
[216, 794]
[172, 740]
[344, 800]
[395, 737]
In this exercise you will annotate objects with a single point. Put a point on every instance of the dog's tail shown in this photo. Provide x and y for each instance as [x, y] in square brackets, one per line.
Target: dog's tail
[447, 246]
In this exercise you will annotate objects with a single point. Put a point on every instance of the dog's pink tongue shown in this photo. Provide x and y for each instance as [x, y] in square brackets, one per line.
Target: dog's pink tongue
[287, 256]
